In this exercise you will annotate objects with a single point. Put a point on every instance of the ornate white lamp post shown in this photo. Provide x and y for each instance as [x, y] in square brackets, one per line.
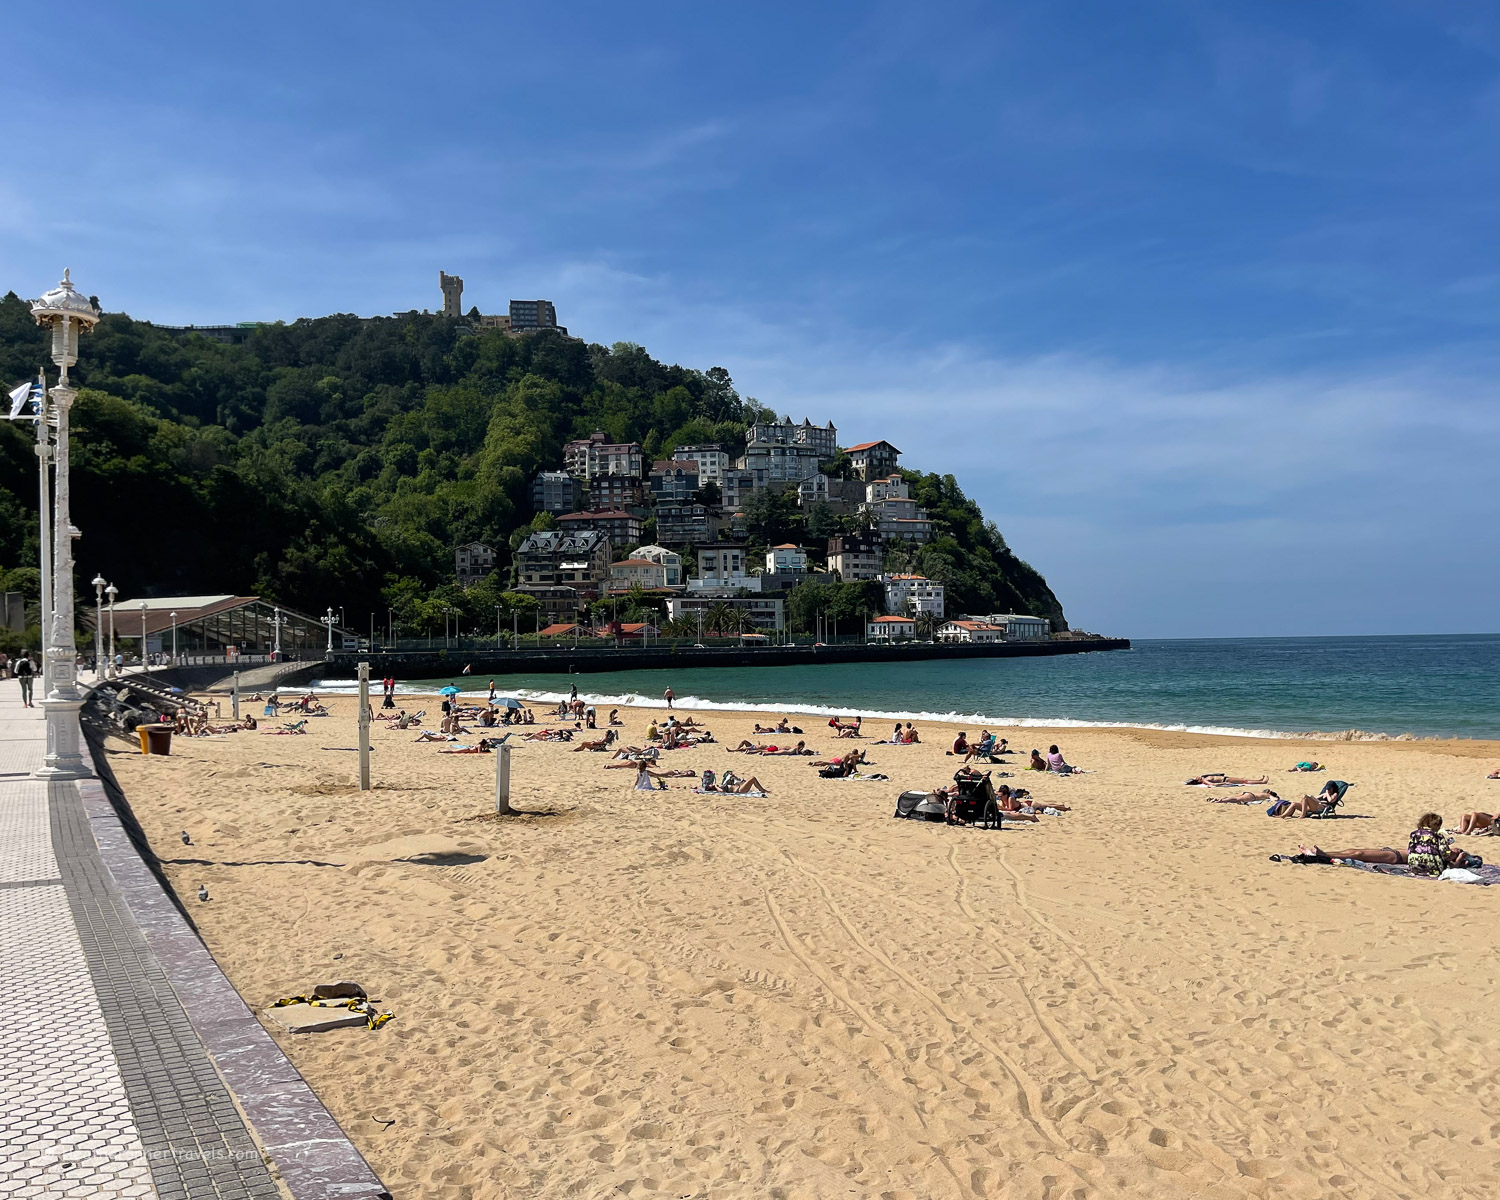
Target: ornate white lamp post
[111, 591]
[174, 638]
[145, 662]
[328, 620]
[67, 314]
[98, 582]
[276, 622]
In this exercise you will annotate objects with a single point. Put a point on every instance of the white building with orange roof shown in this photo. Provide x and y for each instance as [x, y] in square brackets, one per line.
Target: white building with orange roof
[786, 559]
[914, 595]
[970, 631]
[873, 460]
[890, 629]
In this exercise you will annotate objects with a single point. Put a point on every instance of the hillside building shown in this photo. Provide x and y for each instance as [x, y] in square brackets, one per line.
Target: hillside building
[855, 556]
[637, 572]
[472, 562]
[723, 567]
[873, 460]
[712, 461]
[576, 559]
[616, 491]
[674, 480]
[596, 455]
[555, 492]
[621, 527]
[682, 524]
[670, 560]
[913, 595]
[786, 559]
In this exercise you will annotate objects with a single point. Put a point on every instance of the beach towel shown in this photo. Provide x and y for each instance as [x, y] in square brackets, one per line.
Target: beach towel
[1484, 876]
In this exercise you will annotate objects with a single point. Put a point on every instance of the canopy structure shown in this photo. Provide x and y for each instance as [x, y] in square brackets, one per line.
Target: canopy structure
[211, 624]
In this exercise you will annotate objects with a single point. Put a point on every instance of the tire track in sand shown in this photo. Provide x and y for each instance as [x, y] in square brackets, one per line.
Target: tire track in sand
[1028, 1093]
[1143, 1021]
[879, 1032]
[1060, 1040]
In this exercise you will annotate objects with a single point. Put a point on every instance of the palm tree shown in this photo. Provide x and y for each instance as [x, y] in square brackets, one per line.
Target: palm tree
[720, 617]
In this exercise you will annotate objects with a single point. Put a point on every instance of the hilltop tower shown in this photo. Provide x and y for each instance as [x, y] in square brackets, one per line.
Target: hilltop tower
[453, 294]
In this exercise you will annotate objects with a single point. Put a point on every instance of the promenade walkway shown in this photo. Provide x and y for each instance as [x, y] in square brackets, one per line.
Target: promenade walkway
[128, 1063]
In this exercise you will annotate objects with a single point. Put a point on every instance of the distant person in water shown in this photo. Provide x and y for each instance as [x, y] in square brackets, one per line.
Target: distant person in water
[669, 695]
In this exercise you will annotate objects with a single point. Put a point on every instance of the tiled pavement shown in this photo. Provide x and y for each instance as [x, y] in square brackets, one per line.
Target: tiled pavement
[122, 1039]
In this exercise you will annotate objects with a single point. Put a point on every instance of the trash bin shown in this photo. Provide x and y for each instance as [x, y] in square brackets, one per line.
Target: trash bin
[155, 739]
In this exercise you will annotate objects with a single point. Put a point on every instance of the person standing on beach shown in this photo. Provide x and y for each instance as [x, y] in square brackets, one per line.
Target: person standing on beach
[25, 672]
[669, 695]
[573, 692]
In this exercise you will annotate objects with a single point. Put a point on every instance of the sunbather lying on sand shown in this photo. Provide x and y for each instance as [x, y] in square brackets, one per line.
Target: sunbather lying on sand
[1435, 853]
[1245, 798]
[1495, 774]
[603, 743]
[846, 728]
[636, 753]
[781, 726]
[1307, 766]
[549, 735]
[1219, 779]
[431, 735]
[851, 760]
[485, 746]
[1478, 822]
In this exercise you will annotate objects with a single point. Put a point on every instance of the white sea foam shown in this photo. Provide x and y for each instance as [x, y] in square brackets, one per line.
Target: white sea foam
[635, 700]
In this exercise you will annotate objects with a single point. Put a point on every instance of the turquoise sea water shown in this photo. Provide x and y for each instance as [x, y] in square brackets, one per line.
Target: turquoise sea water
[1446, 686]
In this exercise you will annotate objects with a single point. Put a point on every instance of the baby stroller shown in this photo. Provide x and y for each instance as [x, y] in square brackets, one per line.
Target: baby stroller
[974, 802]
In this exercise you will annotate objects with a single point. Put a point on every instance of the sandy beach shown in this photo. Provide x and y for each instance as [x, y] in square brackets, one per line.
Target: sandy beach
[632, 994]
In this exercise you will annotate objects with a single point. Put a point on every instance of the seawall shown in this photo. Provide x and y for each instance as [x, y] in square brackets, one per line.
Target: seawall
[434, 664]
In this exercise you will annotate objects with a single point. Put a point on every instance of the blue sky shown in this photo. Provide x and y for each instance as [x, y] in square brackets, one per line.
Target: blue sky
[1199, 300]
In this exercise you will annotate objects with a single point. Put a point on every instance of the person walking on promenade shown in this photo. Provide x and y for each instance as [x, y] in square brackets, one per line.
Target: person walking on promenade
[669, 695]
[26, 673]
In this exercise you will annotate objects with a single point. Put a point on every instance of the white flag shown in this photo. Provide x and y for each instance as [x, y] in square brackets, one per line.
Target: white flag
[19, 397]
[27, 391]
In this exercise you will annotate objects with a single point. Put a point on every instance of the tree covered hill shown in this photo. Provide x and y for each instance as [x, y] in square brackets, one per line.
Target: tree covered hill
[340, 460]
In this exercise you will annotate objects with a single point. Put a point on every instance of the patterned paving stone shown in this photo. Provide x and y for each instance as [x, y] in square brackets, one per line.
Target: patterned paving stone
[25, 833]
[65, 1120]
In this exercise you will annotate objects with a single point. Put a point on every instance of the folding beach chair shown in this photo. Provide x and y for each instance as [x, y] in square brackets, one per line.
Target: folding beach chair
[1332, 803]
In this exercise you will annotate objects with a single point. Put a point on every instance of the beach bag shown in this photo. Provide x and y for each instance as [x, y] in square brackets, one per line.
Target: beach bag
[833, 772]
[1278, 808]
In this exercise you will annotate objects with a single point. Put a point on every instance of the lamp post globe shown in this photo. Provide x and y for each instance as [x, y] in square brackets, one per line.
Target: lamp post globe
[67, 315]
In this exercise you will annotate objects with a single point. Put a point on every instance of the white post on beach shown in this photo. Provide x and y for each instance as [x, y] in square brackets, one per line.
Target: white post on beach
[364, 727]
[502, 782]
[236, 696]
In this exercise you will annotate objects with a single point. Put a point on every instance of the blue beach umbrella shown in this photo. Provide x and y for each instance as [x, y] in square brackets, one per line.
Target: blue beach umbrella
[506, 702]
[450, 690]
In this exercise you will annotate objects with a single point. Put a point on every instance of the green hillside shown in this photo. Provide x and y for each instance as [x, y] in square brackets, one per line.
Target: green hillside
[340, 461]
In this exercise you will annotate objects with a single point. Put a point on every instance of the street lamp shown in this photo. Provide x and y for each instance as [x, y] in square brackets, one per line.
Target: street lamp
[328, 620]
[98, 582]
[276, 633]
[174, 638]
[66, 314]
[111, 591]
[145, 662]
